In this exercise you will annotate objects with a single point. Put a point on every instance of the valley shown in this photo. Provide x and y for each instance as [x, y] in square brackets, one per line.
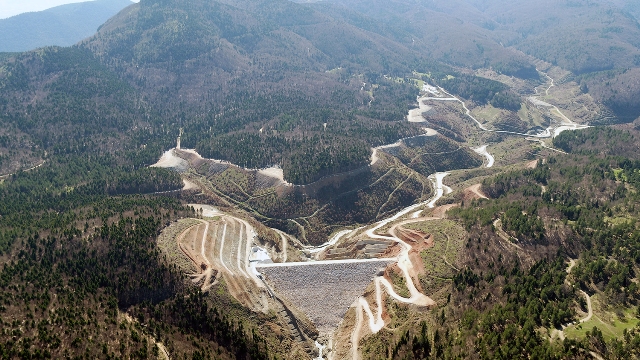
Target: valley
[343, 179]
[337, 293]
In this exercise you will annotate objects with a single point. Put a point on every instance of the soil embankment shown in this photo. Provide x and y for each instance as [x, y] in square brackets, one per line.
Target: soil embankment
[473, 192]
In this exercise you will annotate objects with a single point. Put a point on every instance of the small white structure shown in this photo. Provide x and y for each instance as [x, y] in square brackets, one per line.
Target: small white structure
[179, 136]
[430, 89]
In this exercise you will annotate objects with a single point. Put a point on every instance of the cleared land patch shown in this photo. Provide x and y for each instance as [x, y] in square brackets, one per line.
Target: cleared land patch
[611, 323]
[208, 249]
[440, 260]
[167, 243]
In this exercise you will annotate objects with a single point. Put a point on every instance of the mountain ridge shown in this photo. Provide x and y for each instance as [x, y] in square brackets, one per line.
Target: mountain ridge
[495, 190]
[62, 25]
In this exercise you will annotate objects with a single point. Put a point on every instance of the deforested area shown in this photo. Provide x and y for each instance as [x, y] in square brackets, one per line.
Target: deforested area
[337, 179]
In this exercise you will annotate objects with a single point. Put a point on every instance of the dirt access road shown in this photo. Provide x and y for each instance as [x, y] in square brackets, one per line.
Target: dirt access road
[566, 123]
[559, 333]
[222, 247]
[376, 322]
[475, 190]
[572, 263]
[29, 169]
[482, 150]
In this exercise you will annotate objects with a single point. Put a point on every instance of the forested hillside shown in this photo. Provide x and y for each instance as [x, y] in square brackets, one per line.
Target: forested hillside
[281, 56]
[508, 300]
[596, 40]
[290, 56]
[76, 251]
[520, 224]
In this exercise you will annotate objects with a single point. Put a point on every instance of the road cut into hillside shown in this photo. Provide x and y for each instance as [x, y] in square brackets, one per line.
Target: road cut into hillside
[557, 131]
[440, 188]
[334, 239]
[223, 245]
[324, 290]
[550, 132]
[374, 151]
[415, 115]
[474, 192]
[405, 264]
[24, 170]
[482, 150]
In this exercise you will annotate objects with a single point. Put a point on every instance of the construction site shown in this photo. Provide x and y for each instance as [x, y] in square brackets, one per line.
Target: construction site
[330, 298]
[359, 271]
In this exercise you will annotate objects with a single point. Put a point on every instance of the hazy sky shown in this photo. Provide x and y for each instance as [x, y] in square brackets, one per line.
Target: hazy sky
[10, 8]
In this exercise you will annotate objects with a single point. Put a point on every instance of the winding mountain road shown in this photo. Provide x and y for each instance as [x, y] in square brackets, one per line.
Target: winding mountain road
[238, 257]
[376, 322]
[560, 332]
[567, 124]
[482, 150]
[589, 308]
[475, 189]
[25, 170]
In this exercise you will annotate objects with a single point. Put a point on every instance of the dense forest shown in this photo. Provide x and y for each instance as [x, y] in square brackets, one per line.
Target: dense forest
[312, 88]
[567, 221]
[292, 127]
[79, 250]
[509, 299]
[482, 91]
[80, 285]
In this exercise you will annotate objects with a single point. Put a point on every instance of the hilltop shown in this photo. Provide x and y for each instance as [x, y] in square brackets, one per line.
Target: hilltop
[318, 83]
